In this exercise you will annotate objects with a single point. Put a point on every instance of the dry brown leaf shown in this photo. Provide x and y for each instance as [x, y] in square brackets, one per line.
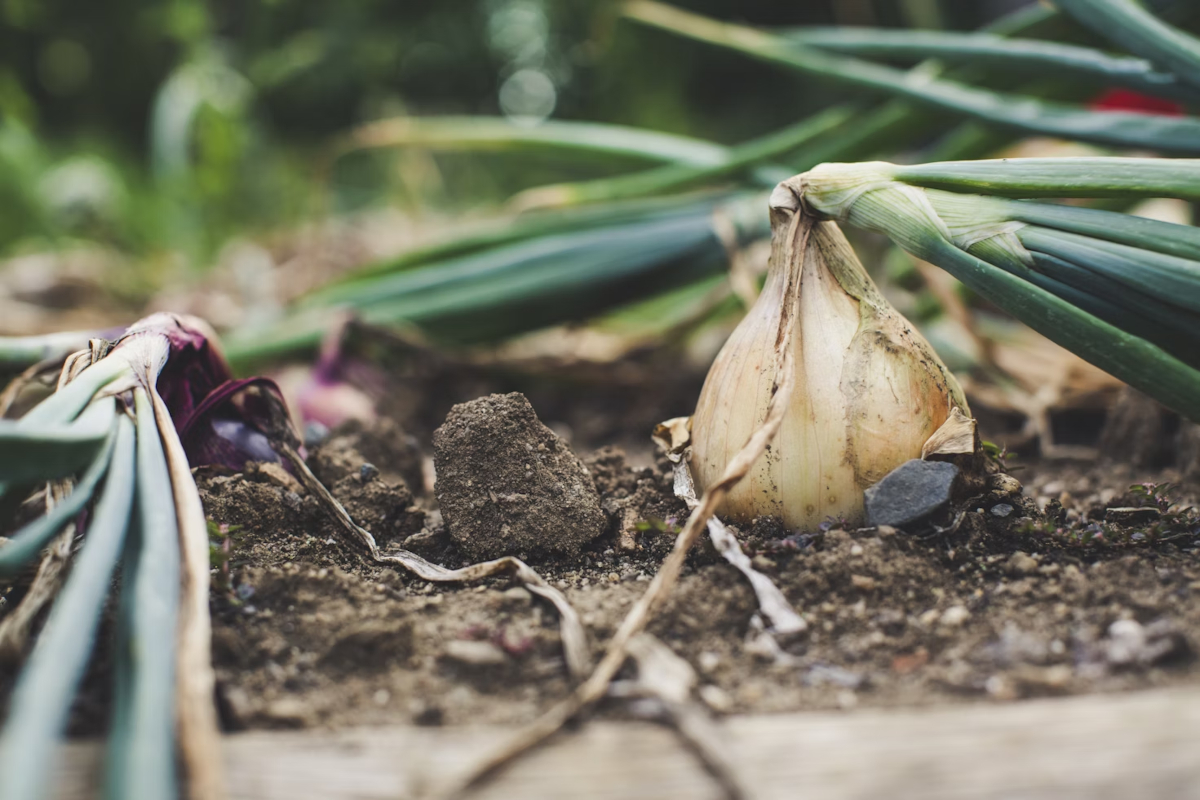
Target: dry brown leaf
[956, 436]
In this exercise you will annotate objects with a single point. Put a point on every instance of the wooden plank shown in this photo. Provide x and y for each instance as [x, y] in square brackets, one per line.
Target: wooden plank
[1141, 745]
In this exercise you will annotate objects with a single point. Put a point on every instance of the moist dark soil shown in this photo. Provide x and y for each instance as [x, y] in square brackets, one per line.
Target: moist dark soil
[1027, 590]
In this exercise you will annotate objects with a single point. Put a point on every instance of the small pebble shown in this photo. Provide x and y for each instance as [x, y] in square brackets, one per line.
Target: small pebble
[863, 582]
[1001, 510]
[715, 698]
[762, 563]
[381, 697]
[368, 472]
[708, 661]
[954, 616]
[1126, 640]
[1021, 564]
[474, 653]
[290, 711]
[1005, 484]
[911, 493]
[314, 434]
[518, 596]
[999, 687]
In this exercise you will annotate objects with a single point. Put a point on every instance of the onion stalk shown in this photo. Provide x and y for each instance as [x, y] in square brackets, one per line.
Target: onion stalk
[1120, 291]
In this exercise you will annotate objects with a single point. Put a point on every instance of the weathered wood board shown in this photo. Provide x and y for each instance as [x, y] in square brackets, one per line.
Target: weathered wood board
[1144, 745]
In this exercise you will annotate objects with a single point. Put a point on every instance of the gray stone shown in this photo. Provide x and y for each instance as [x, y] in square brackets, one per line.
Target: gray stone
[1001, 510]
[911, 493]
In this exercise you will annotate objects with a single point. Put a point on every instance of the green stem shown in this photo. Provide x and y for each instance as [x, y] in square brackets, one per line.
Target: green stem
[1130, 25]
[42, 698]
[1168, 134]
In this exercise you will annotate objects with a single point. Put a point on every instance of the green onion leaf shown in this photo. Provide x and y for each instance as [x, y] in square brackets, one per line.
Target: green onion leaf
[141, 753]
[26, 543]
[48, 452]
[46, 687]
[1130, 25]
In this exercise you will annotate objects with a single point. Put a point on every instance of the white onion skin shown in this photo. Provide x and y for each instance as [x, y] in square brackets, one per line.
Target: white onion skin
[869, 391]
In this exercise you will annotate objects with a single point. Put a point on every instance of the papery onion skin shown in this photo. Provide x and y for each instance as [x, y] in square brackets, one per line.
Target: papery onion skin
[869, 389]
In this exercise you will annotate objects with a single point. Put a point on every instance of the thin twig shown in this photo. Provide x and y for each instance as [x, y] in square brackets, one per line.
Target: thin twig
[576, 649]
[670, 680]
[664, 581]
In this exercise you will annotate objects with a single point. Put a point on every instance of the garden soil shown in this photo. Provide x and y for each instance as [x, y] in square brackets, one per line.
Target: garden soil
[1039, 590]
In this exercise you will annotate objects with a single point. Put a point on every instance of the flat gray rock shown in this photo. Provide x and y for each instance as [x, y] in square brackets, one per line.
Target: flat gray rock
[911, 493]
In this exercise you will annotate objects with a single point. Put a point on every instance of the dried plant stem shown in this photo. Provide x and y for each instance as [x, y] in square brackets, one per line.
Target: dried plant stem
[588, 693]
[199, 733]
[18, 384]
[671, 680]
[14, 628]
[576, 650]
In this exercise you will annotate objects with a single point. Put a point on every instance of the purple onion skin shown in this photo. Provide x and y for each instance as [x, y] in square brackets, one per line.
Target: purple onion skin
[220, 420]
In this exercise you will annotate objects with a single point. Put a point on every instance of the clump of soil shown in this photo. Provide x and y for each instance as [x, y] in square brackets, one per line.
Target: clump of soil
[507, 485]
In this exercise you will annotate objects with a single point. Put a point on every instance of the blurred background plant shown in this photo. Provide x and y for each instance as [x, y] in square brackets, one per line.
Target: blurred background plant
[465, 172]
[164, 130]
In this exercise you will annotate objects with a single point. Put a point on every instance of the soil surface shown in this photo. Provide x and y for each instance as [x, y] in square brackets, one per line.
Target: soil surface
[1030, 590]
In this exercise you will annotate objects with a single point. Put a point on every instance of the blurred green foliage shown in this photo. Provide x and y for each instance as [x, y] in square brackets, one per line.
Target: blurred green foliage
[173, 125]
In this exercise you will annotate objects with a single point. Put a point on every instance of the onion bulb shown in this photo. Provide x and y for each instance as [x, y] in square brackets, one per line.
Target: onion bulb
[869, 390]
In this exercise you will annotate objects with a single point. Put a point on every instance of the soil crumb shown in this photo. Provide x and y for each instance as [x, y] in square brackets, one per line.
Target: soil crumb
[507, 485]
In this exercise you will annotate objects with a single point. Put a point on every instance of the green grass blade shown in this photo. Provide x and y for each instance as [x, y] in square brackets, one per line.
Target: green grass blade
[1130, 25]
[46, 687]
[25, 544]
[1172, 281]
[500, 135]
[1061, 177]
[48, 452]
[141, 754]
[1159, 132]
[990, 50]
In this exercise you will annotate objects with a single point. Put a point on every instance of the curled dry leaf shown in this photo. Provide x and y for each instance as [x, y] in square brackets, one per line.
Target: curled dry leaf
[784, 619]
[669, 679]
[673, 436]
[957, 436]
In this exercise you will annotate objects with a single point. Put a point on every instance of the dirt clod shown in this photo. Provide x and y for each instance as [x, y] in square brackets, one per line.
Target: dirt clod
[507, 485]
